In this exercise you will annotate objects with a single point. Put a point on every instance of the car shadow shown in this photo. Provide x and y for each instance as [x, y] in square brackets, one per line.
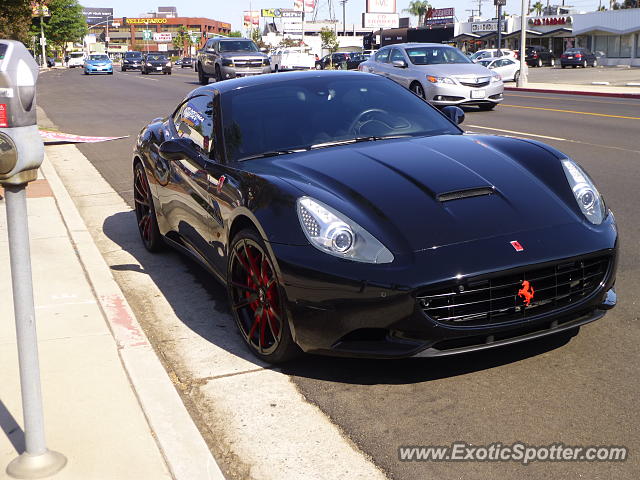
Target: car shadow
[200, 302]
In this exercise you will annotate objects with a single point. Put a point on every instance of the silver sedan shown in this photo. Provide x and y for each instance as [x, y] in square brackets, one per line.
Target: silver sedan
[440, 74]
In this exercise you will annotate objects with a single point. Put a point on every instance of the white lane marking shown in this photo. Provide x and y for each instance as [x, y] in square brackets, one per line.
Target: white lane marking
[519, 133]
[141, 77]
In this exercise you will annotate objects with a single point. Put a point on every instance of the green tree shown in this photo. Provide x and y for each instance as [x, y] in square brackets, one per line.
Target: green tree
[418, 9]
[235, 33]
[329, 41]
[64, 25]
[537, 7]
[257, 38]
[15, 20]
[182, 40]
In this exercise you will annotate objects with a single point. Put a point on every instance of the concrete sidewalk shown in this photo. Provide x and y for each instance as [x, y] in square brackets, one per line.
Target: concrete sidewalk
[576, 89]
[109, 405]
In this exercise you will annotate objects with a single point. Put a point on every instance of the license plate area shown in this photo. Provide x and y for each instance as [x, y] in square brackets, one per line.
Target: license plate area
[478, 93]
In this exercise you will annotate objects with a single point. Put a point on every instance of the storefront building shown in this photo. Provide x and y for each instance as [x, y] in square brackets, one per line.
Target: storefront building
[614, 35]
[156, 34]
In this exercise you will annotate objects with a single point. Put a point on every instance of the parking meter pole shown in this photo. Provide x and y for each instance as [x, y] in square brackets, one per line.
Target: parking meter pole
[36, 461]
[522, 79]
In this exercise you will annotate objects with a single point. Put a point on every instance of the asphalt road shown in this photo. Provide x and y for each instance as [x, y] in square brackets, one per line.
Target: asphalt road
[578, 390]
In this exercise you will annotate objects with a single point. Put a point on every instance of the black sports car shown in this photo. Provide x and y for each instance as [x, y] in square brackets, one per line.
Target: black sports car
[358, 220]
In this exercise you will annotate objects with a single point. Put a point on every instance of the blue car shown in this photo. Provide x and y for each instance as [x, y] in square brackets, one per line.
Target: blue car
[98, 63]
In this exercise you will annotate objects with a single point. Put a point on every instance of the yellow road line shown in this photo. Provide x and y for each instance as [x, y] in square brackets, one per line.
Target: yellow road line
[572, 111]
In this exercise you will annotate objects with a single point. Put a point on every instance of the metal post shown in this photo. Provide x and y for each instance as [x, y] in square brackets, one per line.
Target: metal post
[499, 29]
[42, 40]
[36, 461]
[522, 79]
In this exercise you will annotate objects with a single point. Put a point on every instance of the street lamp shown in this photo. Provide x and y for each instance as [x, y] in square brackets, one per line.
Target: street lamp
[344, 23]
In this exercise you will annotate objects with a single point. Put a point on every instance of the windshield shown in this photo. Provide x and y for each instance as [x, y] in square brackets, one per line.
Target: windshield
[319, 110]
[135, 55]
[99, 58]
[156, 58]
[238, 46]
[436, 55]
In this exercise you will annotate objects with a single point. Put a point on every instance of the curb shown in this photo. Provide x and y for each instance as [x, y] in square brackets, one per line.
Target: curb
[184, 450]
[574, 92]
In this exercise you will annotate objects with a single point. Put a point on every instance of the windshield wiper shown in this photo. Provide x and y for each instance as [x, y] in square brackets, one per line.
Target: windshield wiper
[371, 138]
[273, 153]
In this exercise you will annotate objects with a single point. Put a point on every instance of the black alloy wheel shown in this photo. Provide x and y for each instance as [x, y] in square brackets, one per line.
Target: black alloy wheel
[218, 74]
[539, 64]
[584, 64]
[145, 212]
[516, 76]
[256, 299]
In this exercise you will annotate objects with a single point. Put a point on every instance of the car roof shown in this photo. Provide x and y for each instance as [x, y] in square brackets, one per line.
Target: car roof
[417, 44]
[258, 80]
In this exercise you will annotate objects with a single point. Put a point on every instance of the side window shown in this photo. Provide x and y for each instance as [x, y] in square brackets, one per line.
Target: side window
[382, 56]
[396, 55]
[194, 119]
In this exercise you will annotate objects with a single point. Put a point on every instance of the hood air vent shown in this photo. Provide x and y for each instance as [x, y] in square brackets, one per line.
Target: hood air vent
[471, 192]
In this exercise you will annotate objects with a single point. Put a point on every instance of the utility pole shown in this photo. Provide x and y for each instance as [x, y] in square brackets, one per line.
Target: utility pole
[522, 79]
[499, 4]
[43, 41]
[344, 21]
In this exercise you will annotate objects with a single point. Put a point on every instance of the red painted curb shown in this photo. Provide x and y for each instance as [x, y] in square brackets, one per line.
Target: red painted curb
[574, 92]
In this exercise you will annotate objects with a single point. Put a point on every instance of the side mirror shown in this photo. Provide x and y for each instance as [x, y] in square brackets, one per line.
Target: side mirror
[399, 64]
[453, 113]
[176, 149]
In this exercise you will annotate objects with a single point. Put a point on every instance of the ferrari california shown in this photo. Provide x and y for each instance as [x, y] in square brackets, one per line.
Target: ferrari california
[347, 216]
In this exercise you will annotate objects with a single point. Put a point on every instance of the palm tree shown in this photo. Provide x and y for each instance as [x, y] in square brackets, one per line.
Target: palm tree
[418, 8]
[537, 7]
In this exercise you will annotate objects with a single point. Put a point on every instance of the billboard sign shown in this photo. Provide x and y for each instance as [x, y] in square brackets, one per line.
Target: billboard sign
[251, 18]
[162, 37]
[381, 6]
[95, 16]
[380, 20]
[142, 21]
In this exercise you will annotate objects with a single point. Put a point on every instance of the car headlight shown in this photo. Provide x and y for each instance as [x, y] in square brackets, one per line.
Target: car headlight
[227, 62]
[495, 77]
[433, 79]
[168, 64]
[266, 62]
[589, 199]
[149, 64]
[333, 233]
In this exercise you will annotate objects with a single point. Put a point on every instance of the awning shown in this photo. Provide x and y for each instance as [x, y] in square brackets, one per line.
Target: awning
[559, 32]
[530, 33]
[465, 36]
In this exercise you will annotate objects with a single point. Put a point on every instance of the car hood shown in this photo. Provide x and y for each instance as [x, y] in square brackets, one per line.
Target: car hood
[245, 55]
[157, 62]
[98, 62]
[404, 191]
[454, 69]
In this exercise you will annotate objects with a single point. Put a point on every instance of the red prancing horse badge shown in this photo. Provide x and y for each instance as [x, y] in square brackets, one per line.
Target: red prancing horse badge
[516, 245]
[526, 292]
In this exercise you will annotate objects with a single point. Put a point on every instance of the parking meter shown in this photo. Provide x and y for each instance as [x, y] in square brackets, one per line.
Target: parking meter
[21, 148]
[21, 153]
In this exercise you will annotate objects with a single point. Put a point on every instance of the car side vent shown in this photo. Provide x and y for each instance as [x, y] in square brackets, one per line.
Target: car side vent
[471, 192]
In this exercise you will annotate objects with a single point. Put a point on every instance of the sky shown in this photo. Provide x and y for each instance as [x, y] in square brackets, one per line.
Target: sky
[231, 10]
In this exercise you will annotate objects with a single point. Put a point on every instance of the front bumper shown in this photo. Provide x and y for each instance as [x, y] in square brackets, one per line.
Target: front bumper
[372, 310]
[445, 94]
[157, 69]
[94, 69]
[132, 66]
[235, 72]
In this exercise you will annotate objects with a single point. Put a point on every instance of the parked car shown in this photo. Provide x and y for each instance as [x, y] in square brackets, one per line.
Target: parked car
[98, 63]
[224, 58]
[338, 60]
[76, 59]
[292, 58]
[537, 56]
[440, 74]
[492, 52]
[578, 57]
[507, 67]
[364, 222]
[131, 61]
[184, 62]
[156, 63]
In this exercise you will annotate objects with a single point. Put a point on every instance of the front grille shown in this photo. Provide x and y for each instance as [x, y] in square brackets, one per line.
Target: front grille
[248, 63]
[474, 84]
[494, 298]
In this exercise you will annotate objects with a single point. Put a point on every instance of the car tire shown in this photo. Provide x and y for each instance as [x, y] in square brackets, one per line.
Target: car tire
[202, 78]
[594, 64]
[485, 107]
[275, 70]
[257, 299]
[516, 76]
[585, 64]
[574, 66]
[218, 74]
[563, 66]
[418, 90]
[168, 73]
[318, 67]
[552, 63]
[145, 211]
[123, 69]
[539, 64]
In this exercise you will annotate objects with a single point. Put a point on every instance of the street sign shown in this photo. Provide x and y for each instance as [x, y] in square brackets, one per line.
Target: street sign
[500, 2]
[146, 35]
